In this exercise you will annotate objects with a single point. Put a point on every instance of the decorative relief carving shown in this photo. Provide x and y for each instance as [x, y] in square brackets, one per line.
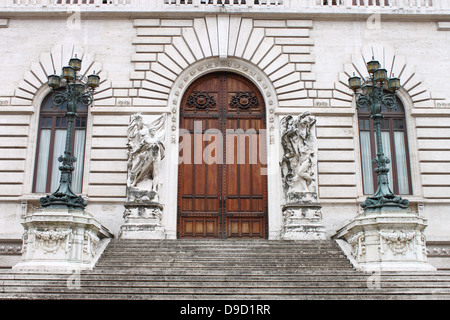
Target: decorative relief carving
[59, 238]
[143, 212]
[399, 242]
[221, 65]
[52, 240]
[145, 151]
[123, 102]
[201, 100]
[298, 166]
[90, 243]
[443, 251]
[302, 211]
[357, 243]
[10, 248]
[305, 213]
[444, 104]
[244, 100]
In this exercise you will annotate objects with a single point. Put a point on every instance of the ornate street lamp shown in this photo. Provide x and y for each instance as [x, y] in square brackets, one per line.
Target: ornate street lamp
[378, 90]
[69, 88]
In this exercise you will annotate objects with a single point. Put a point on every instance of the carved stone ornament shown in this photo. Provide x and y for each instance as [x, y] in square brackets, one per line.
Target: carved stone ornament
[302, 211]
[143, 212]
[389, 239]
[439, 251]
[298, 165]
[60, 239]
[151, 210]
[145, 152]
[357, 244]
[52, 240]
[10, 248]
[142, 221]
[201, 100]
[244, 100]
[49, 241]
[90, 243]
[399, 242]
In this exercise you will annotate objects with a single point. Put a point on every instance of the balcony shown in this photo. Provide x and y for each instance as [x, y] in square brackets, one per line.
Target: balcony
[312, 7]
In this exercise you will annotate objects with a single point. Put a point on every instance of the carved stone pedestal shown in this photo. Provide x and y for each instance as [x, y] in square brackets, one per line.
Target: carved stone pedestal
[302, 218]
[387, 239]
[61, 240]
[142, 221]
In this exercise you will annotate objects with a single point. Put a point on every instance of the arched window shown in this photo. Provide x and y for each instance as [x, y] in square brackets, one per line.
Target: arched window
[395, 147]
[51, 144]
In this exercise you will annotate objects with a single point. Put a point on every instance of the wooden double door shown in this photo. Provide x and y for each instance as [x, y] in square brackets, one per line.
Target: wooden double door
[222, 181]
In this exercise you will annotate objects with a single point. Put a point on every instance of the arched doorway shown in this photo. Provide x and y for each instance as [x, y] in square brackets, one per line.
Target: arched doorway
[222, 182]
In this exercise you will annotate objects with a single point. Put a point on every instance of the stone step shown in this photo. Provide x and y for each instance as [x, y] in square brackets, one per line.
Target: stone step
[224, 269]
[200, 241]
[218, 297]
[167, 272]
[182, 267]
[217, 255]
[221, 244]
[224, 249]
[208, 282]
[220, 258]
[225, 289]
[236, 248]
[223, 252]
[347, 275]
[265, 248]
[226, 254]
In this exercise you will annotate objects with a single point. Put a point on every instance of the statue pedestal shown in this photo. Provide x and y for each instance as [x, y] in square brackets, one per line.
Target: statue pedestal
[61, 240]
[142, 221]
[387, 239]
[302, 219]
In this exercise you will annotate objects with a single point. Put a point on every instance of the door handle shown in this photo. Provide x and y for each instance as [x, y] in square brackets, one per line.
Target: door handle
[222, 202]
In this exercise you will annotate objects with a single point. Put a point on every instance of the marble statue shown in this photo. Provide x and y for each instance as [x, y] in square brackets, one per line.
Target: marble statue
[143, 211]
[298, 163]
[145, 150]
[302, 212]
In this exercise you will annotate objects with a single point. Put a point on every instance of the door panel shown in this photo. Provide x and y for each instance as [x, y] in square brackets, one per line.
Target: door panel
[222, 189]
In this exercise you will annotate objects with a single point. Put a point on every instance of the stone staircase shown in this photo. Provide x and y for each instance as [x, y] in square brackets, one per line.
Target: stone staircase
[230, 269]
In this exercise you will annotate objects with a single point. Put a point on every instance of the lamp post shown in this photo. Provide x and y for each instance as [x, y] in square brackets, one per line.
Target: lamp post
[378, 90]
[75, 90]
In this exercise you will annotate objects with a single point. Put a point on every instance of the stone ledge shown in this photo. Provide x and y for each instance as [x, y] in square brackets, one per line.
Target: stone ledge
[443, 25]
[438, 249]
[10, 246]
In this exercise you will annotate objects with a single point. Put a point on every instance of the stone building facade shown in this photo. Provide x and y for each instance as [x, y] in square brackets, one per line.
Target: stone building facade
[298, 55]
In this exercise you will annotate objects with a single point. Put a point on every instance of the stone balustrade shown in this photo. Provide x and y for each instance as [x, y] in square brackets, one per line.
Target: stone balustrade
[281, 6]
